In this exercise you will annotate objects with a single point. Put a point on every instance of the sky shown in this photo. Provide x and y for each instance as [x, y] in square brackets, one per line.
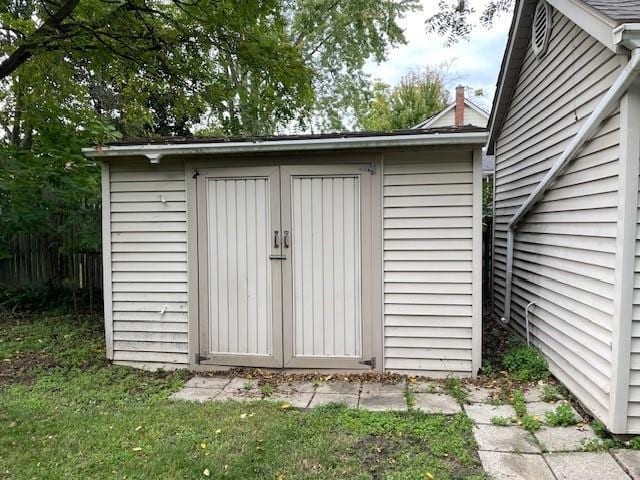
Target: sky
[474, 63]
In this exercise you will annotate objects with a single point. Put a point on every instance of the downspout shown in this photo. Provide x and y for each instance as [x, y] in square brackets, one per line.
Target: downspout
[627, 35]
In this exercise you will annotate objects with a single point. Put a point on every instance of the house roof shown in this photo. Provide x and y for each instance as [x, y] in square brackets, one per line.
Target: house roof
[157, 147]
[433, 118]
[596, 17]
[617, 10]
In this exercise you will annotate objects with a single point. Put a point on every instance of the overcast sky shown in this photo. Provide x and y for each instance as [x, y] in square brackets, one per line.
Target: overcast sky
[474, 63]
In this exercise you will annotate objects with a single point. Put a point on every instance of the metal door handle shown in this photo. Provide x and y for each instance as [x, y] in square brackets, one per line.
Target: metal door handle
[275, 239]
[285, 240]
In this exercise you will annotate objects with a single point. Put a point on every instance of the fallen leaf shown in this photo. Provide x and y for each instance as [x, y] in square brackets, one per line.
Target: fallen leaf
[136, 449]
[280, 476]
[138, 427]
[203, 445]
[430, 475]
[218, 431]
[284, 406]
[206, 472]
[251, 414]
[243, 415]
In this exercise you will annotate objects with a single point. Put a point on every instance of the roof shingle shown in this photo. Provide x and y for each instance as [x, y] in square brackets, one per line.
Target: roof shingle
[618, 10]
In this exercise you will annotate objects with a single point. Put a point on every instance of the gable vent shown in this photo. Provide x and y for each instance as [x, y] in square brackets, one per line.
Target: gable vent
[541, 31]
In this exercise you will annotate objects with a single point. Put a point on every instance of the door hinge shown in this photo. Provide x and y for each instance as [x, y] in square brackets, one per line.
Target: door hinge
[200, 358]
[196, 173]
[371, 363]
[372, 168]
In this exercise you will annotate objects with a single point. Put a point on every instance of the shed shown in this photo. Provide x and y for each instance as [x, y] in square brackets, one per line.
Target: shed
[325, 252]
[565, 130]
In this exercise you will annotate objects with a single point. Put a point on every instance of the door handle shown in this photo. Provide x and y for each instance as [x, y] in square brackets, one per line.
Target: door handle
[285, 239]
[277, 257]
[275, 239]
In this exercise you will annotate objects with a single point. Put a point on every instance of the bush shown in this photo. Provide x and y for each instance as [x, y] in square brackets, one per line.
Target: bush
[46, 298]
[525, 364]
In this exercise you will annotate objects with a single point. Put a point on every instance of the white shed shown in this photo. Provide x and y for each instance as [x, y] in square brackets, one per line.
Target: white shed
[345, 251]
[565, 130]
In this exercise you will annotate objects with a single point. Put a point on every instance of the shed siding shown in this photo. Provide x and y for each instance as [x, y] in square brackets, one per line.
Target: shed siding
[471, 117]
[428, 229]
[149, 262]
[564, 255]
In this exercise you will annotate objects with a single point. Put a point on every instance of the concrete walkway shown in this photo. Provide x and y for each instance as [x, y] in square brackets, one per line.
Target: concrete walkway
[507, 452]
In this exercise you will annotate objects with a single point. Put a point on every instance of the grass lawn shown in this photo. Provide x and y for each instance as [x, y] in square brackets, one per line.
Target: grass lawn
[66, 413]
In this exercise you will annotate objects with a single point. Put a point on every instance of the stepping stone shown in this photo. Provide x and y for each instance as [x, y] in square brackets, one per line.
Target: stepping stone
[515, 466]
[436, 403]
[533, 394]
[339, 387]
[208, 382]
[585, 466]
[324, 398]
[480, 394]
[239, 395]
[425, 387]
[539, 409]
[192, 394]
[374, 388]
[630, 461]
[564, 439]
[239, 386]
[295, 387]
[504, 439]
[383, 402]
[295, 399]
[483, 413]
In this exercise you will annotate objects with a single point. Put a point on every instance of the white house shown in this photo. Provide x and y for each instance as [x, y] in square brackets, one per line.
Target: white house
[565, 130]
[341, 251]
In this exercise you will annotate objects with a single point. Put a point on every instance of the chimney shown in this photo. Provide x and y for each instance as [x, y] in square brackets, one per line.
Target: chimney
[459, 106]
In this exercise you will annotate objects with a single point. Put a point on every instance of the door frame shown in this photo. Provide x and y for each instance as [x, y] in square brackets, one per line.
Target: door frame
[237, 359]
[196, 167]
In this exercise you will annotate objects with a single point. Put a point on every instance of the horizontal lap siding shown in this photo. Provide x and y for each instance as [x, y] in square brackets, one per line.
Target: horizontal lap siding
[428, 228]
[564, 253]
[633, 420]
[149, 262]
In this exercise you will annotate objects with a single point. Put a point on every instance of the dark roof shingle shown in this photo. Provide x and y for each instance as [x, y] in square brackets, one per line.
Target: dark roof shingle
[617, 10]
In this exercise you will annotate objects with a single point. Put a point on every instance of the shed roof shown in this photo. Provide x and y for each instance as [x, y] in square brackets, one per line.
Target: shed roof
[157, 147]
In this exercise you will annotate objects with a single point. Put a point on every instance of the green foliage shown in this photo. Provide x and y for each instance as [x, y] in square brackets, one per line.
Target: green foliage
[601, 445]
[410, 398]
[266, 390]
[454, 387]
[525, 364]
[489, 370]
[85, 418]
[501, 421]
[519, 405]
[599, 429]
[562, 416]
[550, 393]
[418, 96]
[530, 423]
[487, 198]
[248, 385]
[634, 443]
[40, 298]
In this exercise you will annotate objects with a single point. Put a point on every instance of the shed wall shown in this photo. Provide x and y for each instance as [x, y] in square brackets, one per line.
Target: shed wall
[564, 255]
[428, 262]
[149, 262]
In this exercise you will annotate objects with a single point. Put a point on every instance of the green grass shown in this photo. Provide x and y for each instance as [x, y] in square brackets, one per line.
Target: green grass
[561, 416]
[454, 387]
[525, 364]
[67, 413]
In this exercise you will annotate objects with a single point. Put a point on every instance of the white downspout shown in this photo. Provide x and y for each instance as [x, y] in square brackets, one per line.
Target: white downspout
[627, 35]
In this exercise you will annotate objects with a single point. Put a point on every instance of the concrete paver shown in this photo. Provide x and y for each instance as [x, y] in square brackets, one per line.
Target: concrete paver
[630, 461]
[324, 398]
[192, 394]
[483, 413]
[208, 382]
[383, 402]
[564, 439]
[339, 387]
[539, 409]
[504, 439]
[585, 466]
[436, 403]
[515, 466]
[374, 388]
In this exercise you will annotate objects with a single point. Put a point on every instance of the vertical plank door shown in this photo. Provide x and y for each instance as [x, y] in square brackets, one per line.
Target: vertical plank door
[240, 285]
[324, 213]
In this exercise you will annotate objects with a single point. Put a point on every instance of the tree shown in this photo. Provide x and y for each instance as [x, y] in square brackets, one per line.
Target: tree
[454, 18]
[417, 96]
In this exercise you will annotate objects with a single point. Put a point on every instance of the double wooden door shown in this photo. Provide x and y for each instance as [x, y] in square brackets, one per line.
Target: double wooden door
[280, 257]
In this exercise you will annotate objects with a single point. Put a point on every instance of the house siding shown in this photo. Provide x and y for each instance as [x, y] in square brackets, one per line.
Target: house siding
[428, 263]
[564, 254]
[633, 414]
[148, 262]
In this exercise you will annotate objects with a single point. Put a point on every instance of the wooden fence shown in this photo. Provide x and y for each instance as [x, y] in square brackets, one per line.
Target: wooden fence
[34, 260]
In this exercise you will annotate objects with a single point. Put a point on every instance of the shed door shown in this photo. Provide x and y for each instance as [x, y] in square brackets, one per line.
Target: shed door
[240, 308]
[325, 210]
